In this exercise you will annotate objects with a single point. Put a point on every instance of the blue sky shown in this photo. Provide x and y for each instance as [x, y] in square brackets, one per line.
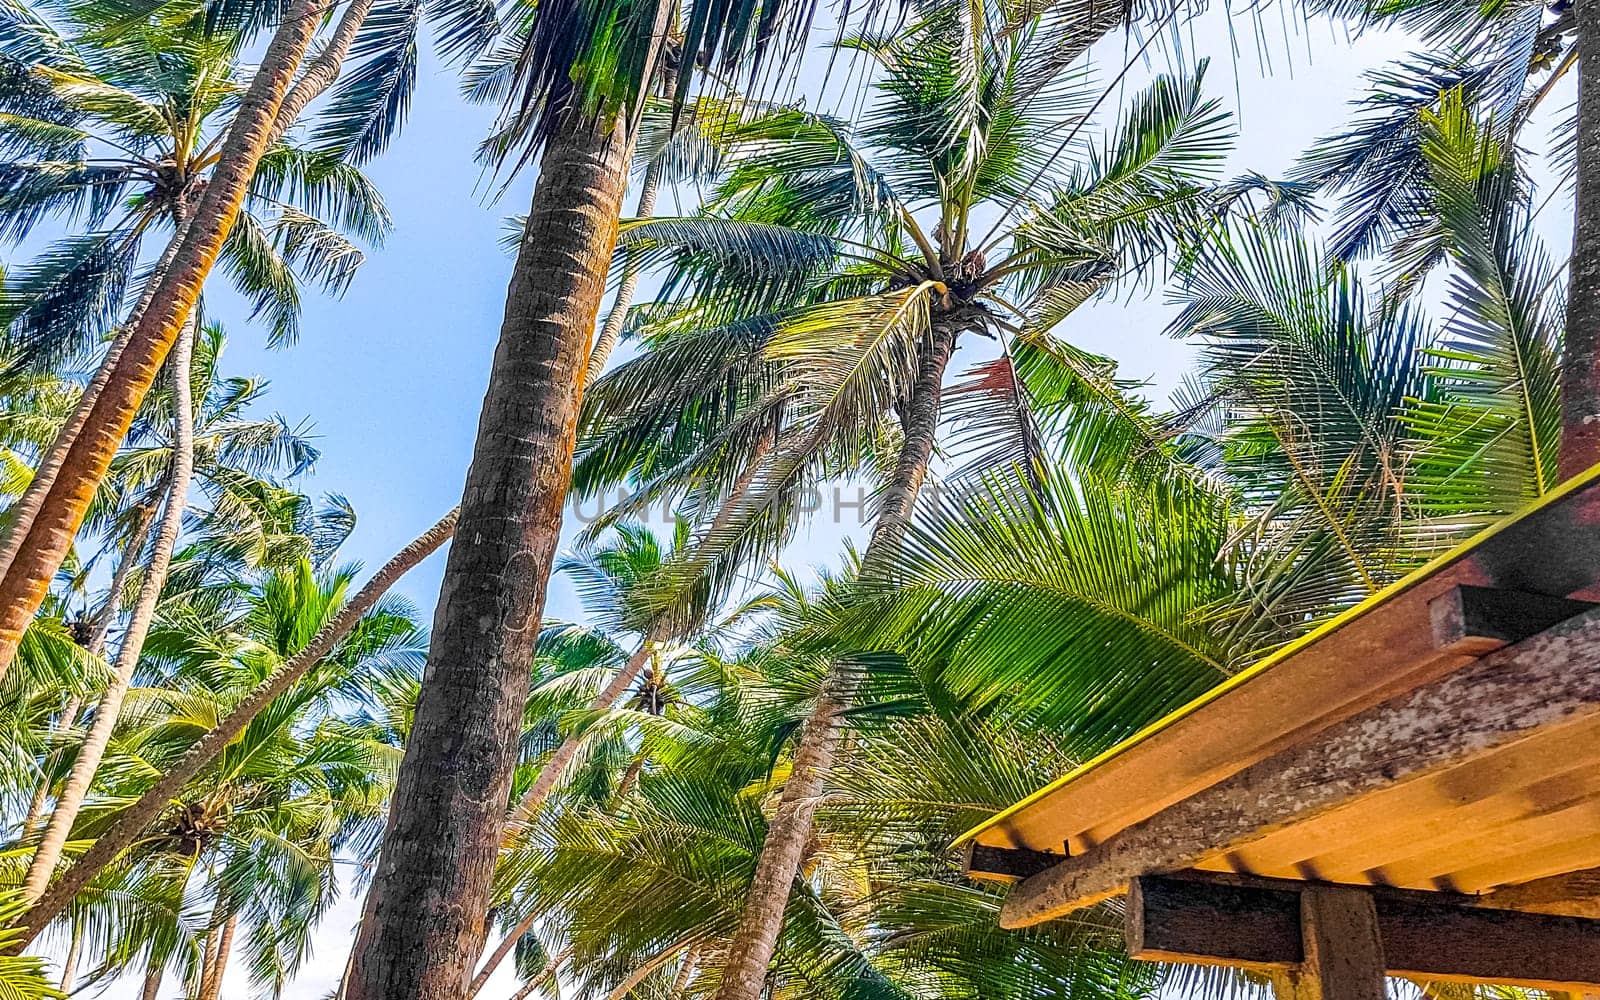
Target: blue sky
[392, 375]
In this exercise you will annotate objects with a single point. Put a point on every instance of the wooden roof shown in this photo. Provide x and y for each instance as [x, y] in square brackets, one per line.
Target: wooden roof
[1516, 798]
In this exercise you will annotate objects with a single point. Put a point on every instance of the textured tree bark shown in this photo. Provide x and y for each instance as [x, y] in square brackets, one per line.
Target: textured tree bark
[61, 511]
[134, 820]
[761, 921]
[1580, 370]
[152, 984]
[211, 984]
[611, 332]
[48, 854]
[425, 913]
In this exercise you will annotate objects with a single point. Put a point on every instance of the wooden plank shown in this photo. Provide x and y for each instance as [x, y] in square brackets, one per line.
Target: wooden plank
[1340, 941]
[1256, 923]
[1407, 821]
[1574, 894]
[1483, 619]
[1551, 551]
[1212, 923]
[1546, 683]
[1001, 864]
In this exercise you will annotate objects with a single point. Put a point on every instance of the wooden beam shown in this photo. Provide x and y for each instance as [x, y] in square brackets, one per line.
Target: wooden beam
[1260, 923]
[1550, 550]
[1575, 894]
[1480, 620]
[1341, 944]
[1002, 864]
[1212, 922]
[1538, 686]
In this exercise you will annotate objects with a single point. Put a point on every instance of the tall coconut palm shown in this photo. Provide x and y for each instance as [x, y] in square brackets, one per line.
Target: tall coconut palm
[869, 254]
[158, 471]
[577, 83]
[1507, 57]
[49, 516]
[302, 783]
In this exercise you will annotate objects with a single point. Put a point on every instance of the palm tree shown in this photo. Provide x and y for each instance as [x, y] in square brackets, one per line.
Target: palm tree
[157, 471]
[302, 783]
[154, 579]
[574, 92]
[1364, 442]
[49, 516]
[1493, 53]
[836, 311]
[131, 823]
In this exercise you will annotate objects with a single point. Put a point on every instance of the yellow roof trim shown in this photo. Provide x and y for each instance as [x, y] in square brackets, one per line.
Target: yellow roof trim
[1261, 666]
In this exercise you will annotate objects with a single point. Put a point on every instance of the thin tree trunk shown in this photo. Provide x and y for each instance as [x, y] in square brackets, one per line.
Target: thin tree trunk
[131, 823]
[41, 794]
[426, 908]
[321, 73]
[761, 921]
[686, 971]
[611, 332]
[61, 511]
[662, 631]
[119, 581]
[68, 719]
[211, 985]
[1580, 370]
[48, 854]
[69, 965]
[152, 983]
[539, 980]
[208, 951]
[507, 944]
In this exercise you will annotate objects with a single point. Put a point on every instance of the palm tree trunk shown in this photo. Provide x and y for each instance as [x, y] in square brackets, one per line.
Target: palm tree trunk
[69, 965]
[131, 823]
[660, 632]
[761, 920]
[504, 948]
[320, 74]
[119, 581]
[428, 900]
[539, 980]
[152, 983]
[686, 971]
[211, 984]
[68, 718]
[48, 854]
[550, 774]
[61, 511]
[1580, 370]
[611, 332]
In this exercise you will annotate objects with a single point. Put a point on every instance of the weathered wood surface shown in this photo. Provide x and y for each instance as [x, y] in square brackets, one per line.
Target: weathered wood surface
[1545, 685]
[1343, 950]
[1575, 894]
[1257, 923]
[1004, 864]
[1552, 551]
